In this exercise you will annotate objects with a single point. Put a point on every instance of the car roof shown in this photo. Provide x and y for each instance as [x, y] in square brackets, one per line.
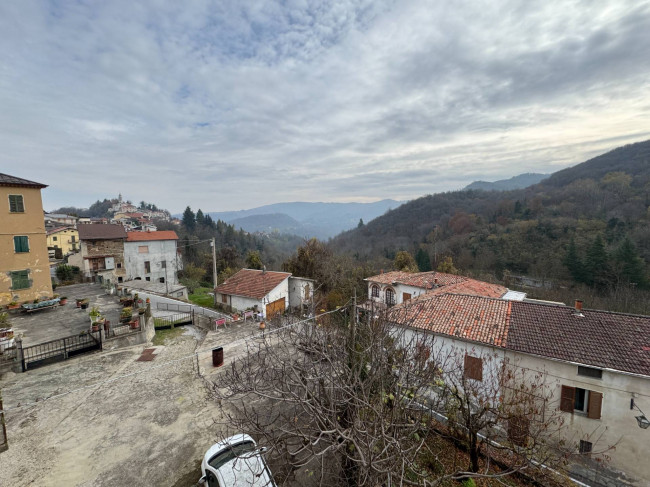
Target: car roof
[245, 471]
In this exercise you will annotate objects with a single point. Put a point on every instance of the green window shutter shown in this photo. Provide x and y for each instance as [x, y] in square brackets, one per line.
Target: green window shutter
[21, 244]
[20, 280]
[16, 203]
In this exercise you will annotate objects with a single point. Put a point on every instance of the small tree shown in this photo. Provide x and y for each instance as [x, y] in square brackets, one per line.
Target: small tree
[404, 261]
[191, 277]
[253, 260]
[447, 266]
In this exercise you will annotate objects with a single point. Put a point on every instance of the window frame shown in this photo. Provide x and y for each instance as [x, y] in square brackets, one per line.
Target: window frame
[473, 367]
[22, 203]
[390, 293]
[147, 267]
[585, 447]
[14, 278]
[591, 372]
[374, 291]
[25, 243]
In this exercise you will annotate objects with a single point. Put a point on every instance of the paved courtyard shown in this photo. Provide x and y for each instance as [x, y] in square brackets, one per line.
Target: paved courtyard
[109, 419]
[62, 321]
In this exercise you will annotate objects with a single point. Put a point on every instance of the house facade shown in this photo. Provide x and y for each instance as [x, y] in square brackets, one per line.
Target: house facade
[595, 367]
[301, 294]
[397, 287]
[24, 266]
[266, 292]
[152, 257]
[64, 238]
[102, 252]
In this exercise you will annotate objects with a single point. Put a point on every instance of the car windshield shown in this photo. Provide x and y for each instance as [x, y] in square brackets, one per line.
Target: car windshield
[231, 452]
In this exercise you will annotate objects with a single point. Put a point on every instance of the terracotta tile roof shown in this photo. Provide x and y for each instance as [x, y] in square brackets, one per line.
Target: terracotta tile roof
[148, 236]
[598, 338]
[59, 229]
[99, 231]
[6, 180]
[602, 339]
[252, 283]
[417, 279]
[473, 318]
[473, 288]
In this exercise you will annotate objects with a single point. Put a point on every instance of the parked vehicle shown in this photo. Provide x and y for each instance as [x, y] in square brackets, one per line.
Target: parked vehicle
[235, 462]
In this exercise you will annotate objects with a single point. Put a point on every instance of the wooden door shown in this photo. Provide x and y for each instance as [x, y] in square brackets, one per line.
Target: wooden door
[275, 307]
[406, 296]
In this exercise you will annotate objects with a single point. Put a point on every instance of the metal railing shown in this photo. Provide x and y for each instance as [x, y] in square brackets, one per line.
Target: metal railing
[60, 349]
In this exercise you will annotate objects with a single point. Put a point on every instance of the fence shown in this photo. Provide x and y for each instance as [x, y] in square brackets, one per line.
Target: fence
[181, 308]
[173, 320]
[60, 349]
[123, 329]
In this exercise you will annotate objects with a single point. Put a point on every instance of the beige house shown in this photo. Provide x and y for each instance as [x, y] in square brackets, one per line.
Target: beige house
[595, 367]
[64, 238]
[24, 266]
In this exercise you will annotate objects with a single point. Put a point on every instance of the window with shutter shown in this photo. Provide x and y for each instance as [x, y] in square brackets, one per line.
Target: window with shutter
[473, 368]
[595, 405]
[20, 280]
[567, 399]
[21, 244]
[16, 204]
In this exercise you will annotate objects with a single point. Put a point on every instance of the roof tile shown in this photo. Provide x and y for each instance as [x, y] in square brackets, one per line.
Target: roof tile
[252, 283]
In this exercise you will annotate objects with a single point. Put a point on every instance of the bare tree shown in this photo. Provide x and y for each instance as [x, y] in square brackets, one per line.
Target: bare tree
[354, 401]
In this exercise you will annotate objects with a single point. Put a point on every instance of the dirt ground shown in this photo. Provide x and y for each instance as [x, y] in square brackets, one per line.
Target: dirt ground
[125, 423]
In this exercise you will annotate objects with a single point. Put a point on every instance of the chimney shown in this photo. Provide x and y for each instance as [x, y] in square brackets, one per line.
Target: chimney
[578, 308]
[435, 281]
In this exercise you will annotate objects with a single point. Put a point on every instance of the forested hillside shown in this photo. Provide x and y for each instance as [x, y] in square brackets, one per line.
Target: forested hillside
[589, 223]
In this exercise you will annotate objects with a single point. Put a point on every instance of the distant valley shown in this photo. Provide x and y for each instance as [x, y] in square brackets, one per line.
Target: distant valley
[320, 220]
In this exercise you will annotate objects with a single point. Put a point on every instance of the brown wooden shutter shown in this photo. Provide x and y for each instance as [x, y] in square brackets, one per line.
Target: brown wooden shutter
[594, 405]
[473, 367]
[567, 399]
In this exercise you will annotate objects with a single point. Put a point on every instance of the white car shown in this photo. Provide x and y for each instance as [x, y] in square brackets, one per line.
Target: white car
[235, 462]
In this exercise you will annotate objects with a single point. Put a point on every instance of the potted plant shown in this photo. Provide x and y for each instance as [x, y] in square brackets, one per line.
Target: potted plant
[13, 305]
[84, 303]
[141, 311]
[125, 315]
[94, 314]
[134, 323]
[63, 300]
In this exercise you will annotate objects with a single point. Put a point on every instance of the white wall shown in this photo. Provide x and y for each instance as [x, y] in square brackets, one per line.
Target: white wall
[617, 426]
[297, 296]
[399, 289]
[240, 303]
[158, 251]
[616, 433]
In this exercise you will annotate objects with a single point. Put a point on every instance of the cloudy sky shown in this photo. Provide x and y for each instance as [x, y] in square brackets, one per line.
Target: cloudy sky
[226, 105]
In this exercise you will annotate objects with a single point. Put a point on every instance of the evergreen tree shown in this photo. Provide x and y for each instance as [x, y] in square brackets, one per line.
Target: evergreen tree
[360, 223]
[597, 271]
[630, 265]
[189, 221]
[200, 219]
[573, 263]
[422, 259]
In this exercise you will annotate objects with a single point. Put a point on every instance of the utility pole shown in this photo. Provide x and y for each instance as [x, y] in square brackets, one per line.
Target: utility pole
[214, 270]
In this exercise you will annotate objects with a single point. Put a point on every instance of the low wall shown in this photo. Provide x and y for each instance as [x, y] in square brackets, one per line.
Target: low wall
[144, 334]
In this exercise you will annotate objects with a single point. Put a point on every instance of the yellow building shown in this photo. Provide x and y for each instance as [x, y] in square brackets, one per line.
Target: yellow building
[24, 266]
[64, 238]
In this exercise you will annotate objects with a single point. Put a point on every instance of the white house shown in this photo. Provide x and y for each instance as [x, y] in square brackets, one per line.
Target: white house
[595, 364]
[152, 257]
[396, 287]
[267, 292]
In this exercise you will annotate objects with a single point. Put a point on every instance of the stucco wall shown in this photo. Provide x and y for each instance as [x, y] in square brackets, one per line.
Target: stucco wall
[399, 289]
[240, 303]
[30, 224]
[64, 240]
[297, 291]
[616, 433]
[103, 248]
[158, 251]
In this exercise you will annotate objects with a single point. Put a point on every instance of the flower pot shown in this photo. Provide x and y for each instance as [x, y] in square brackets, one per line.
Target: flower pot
[95, 327]
[63, 301]
[13, 306]
[262, 325]
[134, 324]
[84, 305]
